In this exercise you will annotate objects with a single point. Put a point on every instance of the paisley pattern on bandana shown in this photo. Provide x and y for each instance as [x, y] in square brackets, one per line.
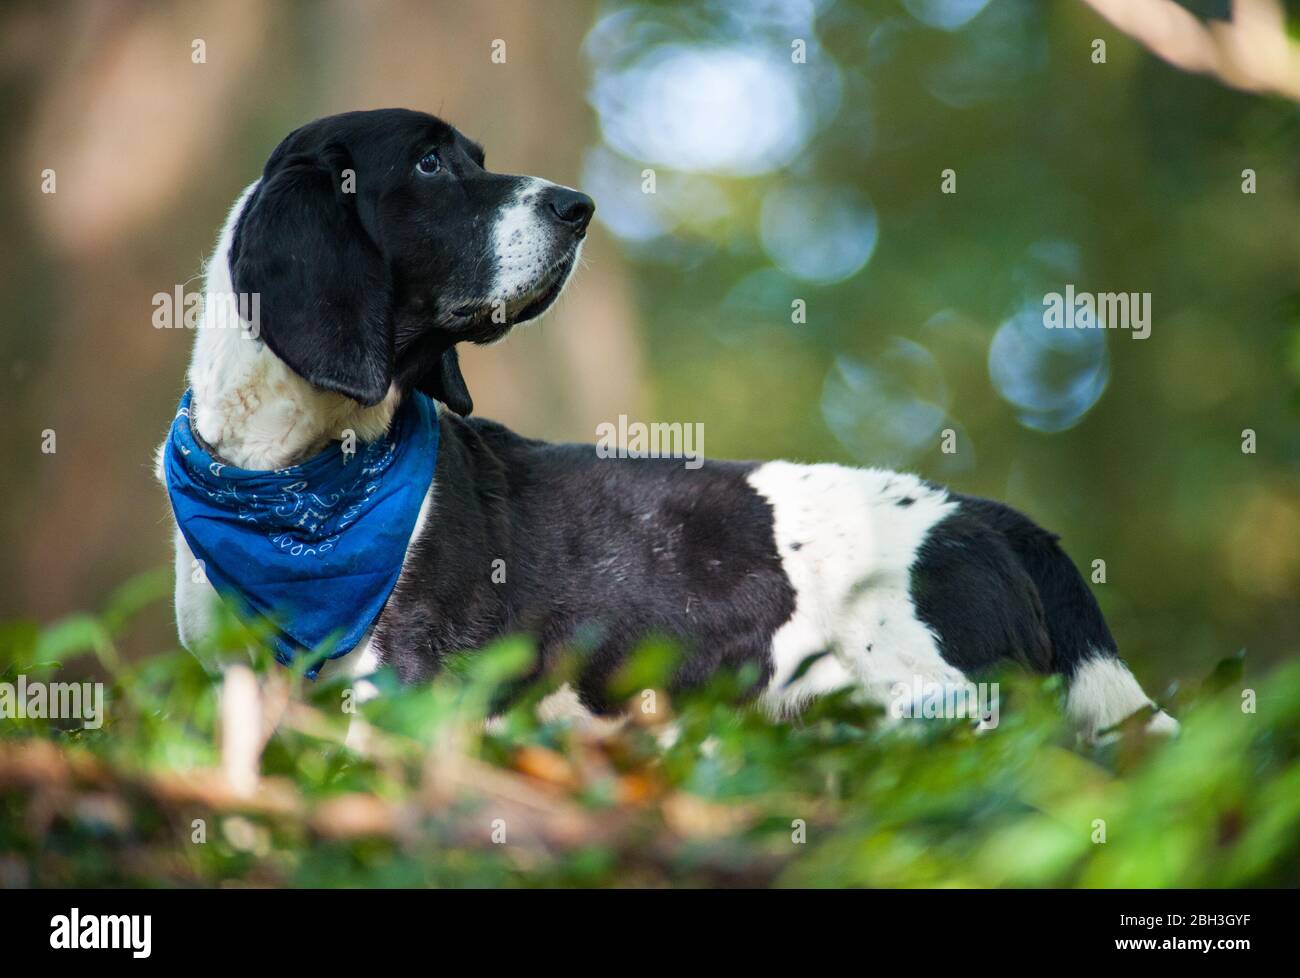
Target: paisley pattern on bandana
[314, 548]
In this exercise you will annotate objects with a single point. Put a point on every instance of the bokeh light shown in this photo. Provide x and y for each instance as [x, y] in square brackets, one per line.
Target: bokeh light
[889, 410]
[1052, 376]
[950, 15]
[818, 233]
[712, 107]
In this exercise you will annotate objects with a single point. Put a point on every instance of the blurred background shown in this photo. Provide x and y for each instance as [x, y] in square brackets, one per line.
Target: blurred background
[796, 149]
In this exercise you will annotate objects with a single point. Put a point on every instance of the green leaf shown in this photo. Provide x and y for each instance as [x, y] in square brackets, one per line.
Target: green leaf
[136, 594]
[69, 638]
[1227, 674]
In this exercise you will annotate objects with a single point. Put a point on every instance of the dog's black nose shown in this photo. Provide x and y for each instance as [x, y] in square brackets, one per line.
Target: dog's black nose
[570, 207]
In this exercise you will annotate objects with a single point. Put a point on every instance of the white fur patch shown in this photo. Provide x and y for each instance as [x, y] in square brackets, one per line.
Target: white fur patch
[522, 241]
[248, 405]
[195, 600]
[362, 663]
[848, 548]
[1103, 692]
[564, 705]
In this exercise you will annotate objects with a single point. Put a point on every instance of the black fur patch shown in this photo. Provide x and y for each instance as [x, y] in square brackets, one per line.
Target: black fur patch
[598, 555]
[993, 585]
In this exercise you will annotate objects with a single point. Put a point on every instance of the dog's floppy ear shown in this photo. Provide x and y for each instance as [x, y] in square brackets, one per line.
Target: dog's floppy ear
[325, 303]
[445, 383]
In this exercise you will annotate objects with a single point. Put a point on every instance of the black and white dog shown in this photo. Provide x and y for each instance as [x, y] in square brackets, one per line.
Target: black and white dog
[365, 292]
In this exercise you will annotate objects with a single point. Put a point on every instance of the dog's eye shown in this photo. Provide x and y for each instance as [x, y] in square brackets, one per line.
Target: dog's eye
[429, 164]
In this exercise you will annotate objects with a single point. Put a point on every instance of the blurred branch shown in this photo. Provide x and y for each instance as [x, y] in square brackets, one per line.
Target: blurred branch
[1251, 52]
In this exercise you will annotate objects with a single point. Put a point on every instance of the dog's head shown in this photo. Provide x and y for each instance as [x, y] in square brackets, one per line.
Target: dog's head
[376, 241]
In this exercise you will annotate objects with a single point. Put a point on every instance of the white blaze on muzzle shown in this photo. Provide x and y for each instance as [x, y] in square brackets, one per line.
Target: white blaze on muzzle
[523, 243]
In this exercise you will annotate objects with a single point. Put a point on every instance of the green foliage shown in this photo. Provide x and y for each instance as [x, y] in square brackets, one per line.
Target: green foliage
[918, 803]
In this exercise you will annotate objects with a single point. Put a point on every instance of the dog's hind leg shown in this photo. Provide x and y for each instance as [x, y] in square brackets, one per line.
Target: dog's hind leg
[1102, 690]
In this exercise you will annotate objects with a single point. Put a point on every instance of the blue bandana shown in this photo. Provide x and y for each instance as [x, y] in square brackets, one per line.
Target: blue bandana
[314, 548]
